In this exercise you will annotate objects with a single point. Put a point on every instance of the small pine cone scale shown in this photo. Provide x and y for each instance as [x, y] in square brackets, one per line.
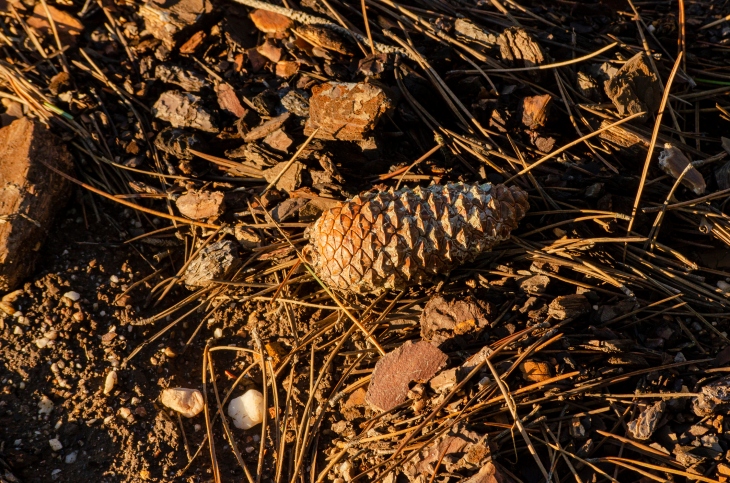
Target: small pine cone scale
[394, 239]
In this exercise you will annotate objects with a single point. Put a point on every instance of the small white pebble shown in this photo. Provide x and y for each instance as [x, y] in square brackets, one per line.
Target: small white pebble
[114, 279]
[21, 385]
[42, 343]
[124, 413]
[188, 402]
[55, 444]
[45, 406]
[218, 333]
[55, 474]
[71, 457]
[197, 427]
[51, 335]
[73, 296]
[17, 330]
[110, 382]
[250, 449]
[248, 410]
[103, 313]
[17, 442]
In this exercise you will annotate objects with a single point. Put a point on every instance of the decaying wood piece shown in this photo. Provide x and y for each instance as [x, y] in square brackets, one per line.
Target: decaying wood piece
[393, 239]
[30, 195]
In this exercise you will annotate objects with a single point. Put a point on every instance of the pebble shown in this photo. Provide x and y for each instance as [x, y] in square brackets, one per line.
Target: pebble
[71, 457]
[42, 343]
[45, 406]
[188, 402]
[218, 333]
[724, 286]
[248, 410]
[114, 279]
[73, 296]
[125, 413]
[55, 474]
[17, 330]
[55, 444]
[110, 382]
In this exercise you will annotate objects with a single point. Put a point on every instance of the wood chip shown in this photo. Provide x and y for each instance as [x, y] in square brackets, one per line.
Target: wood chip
[569, 306]
[270, 22]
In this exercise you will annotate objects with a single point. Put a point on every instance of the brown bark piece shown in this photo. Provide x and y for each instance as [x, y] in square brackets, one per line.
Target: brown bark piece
[535, 110]
[165, 19]
[192, 44]
[644, 426]
[31, 195]
[266, 128]
[519, 49]
[569, 306]
[674, 162]
[290, 180]
[635, 88]
[68, 26]
[228, 100]
[536, 371]
[627, 143]
[279, 140]
[490, 473]
[286, 68]
[393, 239]
[418, 361]
[183, 110]
[201, 205]
[270, 22]
[443, 320]
[269, 50]
[345, 111]
[214, 262]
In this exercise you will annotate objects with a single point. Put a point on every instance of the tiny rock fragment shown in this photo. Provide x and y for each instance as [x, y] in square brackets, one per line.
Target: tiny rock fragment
[189, 80]
[290, 180]
[68, 26]
[417, 361]
[31, 195]
[228, 100]
[393, 239]
[568, 306]
[214, 262]
[183, 110]
[110, 382]
[644, 426]
[674, 163]
[248, 410]
[166, 19]
[714, 398]
[536, 371]
[248, 237]
[635, 88]
[345, 111]
[45, 405]
[535, 110]
[178, 142]
[270, 22]
[201, 205]
[188, 402]
[279, 141]
[444, 380]
[442, 320]
[55, 444]
[519, 49]
[266, 128]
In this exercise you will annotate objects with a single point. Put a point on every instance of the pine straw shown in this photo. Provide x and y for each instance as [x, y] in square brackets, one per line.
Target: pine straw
[606, 252]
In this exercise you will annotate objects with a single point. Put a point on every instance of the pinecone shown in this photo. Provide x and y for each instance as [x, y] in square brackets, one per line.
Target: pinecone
[393, 239]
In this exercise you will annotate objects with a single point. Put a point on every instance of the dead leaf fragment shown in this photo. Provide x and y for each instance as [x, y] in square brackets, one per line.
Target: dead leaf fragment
[536, 371]
[443, 320]
[270, 22]
[417, 361]
[647, 422]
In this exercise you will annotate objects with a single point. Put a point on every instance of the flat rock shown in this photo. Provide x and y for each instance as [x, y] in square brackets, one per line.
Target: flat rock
[418, 361]
[214, 262]
[635, 88]
[188, 402]
[31, 195]
[183, 110]
[443, 320]
[201, 205]
[345, 111]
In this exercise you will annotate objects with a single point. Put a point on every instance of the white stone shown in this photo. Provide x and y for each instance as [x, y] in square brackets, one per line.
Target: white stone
[218, 333]
[55, 444]
[110, 382]
[248, 410]
[17, 330]
[45, 406]
[71, 457]
[55, 474]
[42, 343]
[188, 402]
[114, 279]
[73, 296]
[724, 286]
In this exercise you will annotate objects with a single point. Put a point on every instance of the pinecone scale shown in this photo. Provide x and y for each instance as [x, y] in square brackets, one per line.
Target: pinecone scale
[394, 239]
